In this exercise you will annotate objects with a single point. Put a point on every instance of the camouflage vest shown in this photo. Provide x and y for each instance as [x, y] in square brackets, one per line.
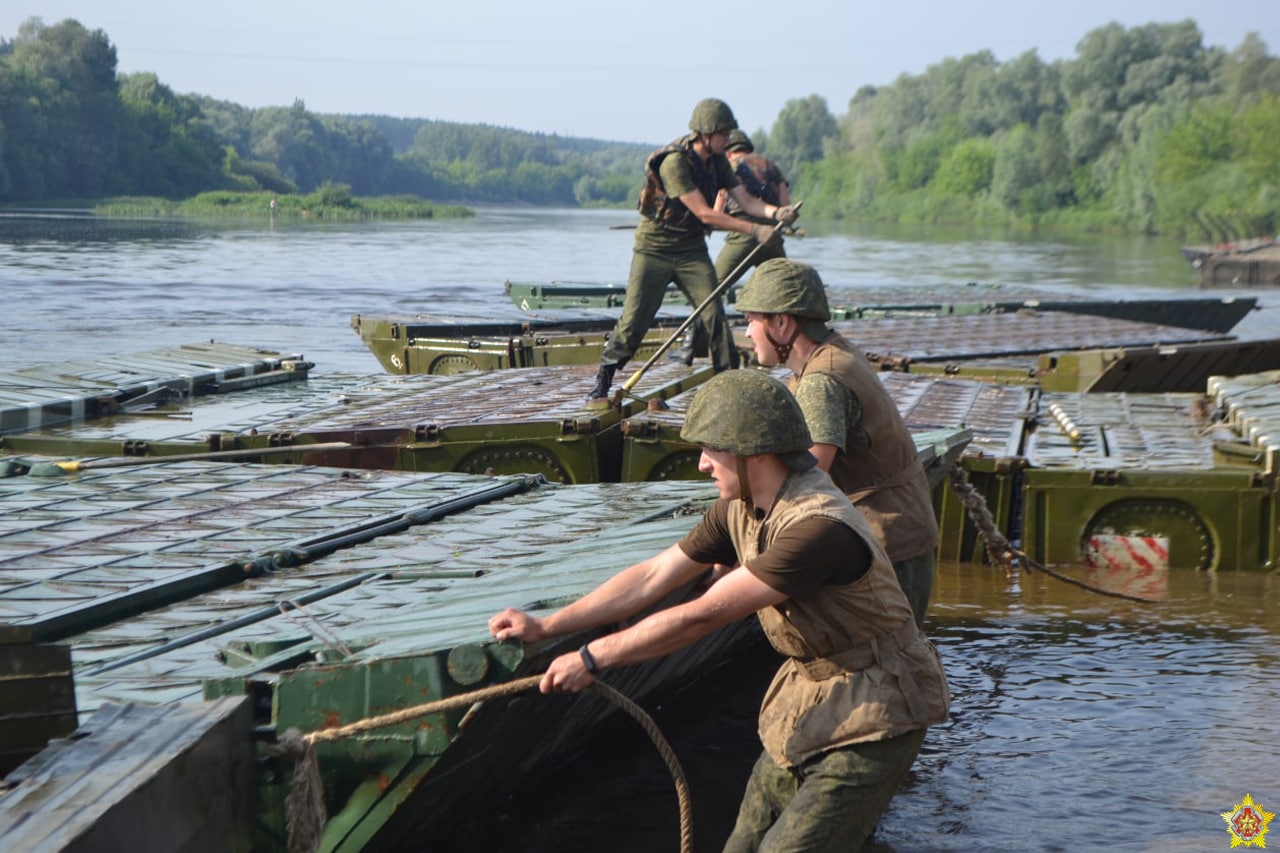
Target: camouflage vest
[857, 668]
[879, 469]
[670, 213]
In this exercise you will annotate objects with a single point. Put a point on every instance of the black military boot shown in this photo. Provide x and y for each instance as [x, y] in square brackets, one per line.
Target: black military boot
[693, 345]
[684, 352]
[604, 379]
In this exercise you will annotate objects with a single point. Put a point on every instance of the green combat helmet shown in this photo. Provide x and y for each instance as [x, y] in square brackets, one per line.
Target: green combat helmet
[746, 413]
[712, 115]
[739, 141]
[784, 286]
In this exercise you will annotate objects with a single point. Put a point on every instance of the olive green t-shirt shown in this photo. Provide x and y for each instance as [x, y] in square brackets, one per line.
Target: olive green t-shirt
[677, 179]
[804, 557]
[831, 409]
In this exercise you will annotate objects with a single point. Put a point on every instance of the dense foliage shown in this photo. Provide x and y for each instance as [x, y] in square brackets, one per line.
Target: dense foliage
[1145, 129]
[71, 127]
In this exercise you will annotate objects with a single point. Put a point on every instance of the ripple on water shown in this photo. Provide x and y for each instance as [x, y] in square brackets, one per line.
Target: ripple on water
[1070, 721]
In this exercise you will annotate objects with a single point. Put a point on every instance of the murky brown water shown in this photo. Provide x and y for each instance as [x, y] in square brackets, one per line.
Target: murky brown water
[1079, 722]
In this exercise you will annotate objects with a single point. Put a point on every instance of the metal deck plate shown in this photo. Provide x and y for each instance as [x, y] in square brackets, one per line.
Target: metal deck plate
[1003, 335]
[192, 419]
[75, 390]
[496, 399]
[1251, 405]
[1137, 431]
[68, 546]
[996, 414]
[1219, 315]
[529, 421]
[118, 534]
[178, 777]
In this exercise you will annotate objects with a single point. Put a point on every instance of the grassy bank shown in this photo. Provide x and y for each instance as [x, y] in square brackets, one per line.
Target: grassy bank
[329, 203]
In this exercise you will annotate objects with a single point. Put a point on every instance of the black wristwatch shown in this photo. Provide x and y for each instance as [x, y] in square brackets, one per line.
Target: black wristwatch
[588, 661]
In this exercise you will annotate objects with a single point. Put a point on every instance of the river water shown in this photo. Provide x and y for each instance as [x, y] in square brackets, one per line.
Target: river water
[1078, 723]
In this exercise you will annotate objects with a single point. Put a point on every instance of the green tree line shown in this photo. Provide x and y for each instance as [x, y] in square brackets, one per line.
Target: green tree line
[71, 127]
[1145, 130]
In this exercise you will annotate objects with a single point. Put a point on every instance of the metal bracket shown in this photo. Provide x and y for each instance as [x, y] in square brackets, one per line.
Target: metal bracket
[639, 428]
[579, 426]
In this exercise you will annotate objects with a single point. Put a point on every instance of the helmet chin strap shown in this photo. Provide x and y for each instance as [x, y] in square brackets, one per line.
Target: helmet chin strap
[783, 349]
[744, 485]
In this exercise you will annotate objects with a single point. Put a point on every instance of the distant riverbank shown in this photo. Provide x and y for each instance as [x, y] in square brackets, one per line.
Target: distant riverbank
[332, 202]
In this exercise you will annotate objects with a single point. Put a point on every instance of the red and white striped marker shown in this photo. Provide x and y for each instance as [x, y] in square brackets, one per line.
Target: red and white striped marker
[1137, 565]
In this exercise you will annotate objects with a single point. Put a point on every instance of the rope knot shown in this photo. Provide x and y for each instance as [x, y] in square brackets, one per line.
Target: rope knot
[291, 743]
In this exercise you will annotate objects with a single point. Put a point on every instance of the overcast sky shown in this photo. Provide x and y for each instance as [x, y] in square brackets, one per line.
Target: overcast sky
[597, 68]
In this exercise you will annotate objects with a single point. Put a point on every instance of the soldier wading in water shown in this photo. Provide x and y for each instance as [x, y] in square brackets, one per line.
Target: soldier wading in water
[846, 713]
[858, 435]
[681, 181]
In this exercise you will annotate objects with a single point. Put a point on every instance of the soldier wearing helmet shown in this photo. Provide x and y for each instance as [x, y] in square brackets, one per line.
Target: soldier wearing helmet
[762, 178]
[681, 182]
[859, 436]
[847, 711]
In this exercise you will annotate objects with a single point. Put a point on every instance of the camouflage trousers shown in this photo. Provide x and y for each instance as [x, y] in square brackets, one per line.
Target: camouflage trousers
[830, 803]
[651, 272]
[915, 575]
[737, 247]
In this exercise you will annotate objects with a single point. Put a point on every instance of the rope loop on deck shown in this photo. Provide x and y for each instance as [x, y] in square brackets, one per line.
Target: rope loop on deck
[305, 814]
[1002, 552]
